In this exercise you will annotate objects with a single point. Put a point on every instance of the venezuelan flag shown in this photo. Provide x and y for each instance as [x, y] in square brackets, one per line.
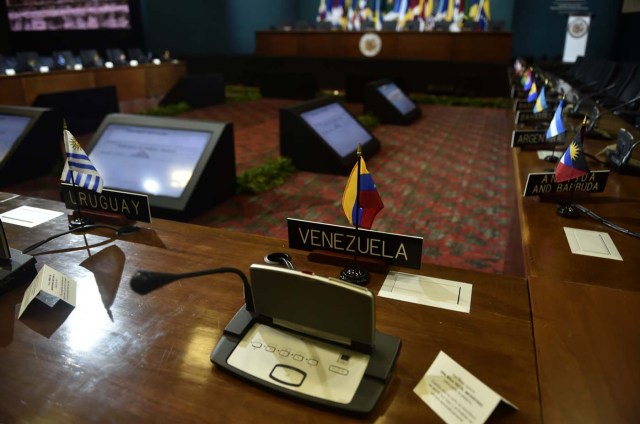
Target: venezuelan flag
[368, 203]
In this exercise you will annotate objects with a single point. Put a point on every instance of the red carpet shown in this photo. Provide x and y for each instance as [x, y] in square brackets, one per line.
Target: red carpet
[445, 178]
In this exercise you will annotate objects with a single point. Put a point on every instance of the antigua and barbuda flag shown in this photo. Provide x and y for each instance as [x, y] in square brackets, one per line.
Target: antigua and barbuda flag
[573, 163]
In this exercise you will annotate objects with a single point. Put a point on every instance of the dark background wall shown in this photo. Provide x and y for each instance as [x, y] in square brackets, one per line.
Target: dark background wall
[199, 28]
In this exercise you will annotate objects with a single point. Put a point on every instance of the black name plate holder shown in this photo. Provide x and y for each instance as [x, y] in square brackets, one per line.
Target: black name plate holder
[395, 249]
[133, 206]
[544, 184]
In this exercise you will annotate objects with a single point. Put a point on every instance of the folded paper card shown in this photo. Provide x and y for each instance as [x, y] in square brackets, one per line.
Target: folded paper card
[49, 287]
[455, 394]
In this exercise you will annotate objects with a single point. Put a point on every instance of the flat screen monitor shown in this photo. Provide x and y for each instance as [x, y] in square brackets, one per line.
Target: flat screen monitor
[65, 15]
[183, 165]
[323, 136]
[11, 128]
[29, 142]
[63, 59]
[386, 100]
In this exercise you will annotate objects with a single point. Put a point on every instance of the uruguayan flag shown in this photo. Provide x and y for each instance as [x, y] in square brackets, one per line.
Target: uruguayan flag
[78, 169]
[556, 127]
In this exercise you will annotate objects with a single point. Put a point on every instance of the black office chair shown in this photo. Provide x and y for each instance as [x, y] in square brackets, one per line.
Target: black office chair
[90, 58]
[63, 59]
[116, 56]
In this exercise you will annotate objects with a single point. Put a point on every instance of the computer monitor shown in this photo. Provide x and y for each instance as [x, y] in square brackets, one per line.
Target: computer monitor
[116, 56]
[27, 62]
[83, 109]
[90, 58]
[384, 99]
[63, 59]
[322, 136]
[185, 166]
[29, 142]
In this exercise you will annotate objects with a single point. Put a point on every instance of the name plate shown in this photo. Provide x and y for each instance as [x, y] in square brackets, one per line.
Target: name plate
[522, 117]
[544, 183]
[132, 205]
[523, 104]
[524, 138]
[399, 250]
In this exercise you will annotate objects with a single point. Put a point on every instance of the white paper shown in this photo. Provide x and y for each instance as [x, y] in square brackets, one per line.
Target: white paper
[429, 291]
[591, 243]
[49, 286]
[28, 216]
[455, 394]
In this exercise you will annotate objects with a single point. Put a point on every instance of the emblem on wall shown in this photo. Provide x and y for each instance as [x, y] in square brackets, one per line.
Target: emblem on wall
[370, 44]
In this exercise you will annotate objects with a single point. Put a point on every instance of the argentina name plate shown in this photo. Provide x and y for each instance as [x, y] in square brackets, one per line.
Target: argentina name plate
[395, 249]
[531, 138]
[544, 183]
[132, 205]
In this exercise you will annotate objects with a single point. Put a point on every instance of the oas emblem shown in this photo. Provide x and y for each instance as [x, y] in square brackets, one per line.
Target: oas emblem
[370, 44]
[578, 27]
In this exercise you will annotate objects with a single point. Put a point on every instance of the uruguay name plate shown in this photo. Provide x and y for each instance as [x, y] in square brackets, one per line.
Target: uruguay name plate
[522, 117]
[132, 205]
[544, 183]
[524, 138]
[399, 250]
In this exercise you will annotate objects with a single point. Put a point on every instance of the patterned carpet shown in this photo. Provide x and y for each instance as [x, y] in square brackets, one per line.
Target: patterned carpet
[444, 178]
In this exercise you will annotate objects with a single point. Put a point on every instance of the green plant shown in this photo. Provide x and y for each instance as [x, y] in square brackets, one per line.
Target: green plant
[369, 121]
[169, 110]
[265, 177]
[241, 93]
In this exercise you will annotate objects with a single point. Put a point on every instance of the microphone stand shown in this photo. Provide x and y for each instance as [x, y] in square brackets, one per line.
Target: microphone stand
[143, 282]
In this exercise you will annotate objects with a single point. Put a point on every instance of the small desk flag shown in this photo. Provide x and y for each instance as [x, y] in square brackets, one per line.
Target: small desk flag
[556, 127]
[361, 207]
[78, 168]
[573, 163]
[533, 93]
[541, 102]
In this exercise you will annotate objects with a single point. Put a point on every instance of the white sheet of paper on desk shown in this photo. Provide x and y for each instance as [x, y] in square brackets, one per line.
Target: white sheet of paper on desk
[49, 287]
[591, 243]
[455, 394]
[28, 216]
[429, 291]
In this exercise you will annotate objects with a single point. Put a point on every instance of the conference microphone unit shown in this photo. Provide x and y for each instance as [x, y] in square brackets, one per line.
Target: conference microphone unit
[143, 282]
[594, 120]
[576, 107]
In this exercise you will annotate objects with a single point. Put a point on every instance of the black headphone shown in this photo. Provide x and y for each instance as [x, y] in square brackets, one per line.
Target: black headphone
[279, 258]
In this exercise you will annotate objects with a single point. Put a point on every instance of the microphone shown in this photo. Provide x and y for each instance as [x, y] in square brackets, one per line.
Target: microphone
[622, 163]
[576, 105]
[594, 120]
[143, 282]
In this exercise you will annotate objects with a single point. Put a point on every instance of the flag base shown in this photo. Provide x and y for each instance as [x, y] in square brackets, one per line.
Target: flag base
[551, 158]
[78, 221]
[567, 211]
[355, 275]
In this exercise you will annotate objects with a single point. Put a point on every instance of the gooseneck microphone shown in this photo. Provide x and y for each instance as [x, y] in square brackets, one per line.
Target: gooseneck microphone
[143, 282]
[593, 122]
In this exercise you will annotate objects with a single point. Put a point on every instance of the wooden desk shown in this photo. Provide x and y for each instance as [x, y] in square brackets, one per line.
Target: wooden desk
[123, 357]
[584, 308]
[479, 47]
[137, 82]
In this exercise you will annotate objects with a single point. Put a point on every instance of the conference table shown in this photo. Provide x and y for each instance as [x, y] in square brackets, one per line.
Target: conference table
[584, 308]
[123, 357]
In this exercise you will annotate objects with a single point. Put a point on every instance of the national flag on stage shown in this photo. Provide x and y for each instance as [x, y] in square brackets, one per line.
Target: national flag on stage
[480, 11]
[533, 93]
[573, 163]
[335, 13]
[78, 168]
[361, 208]
[528, 80]
[375, 13]
[541, 102]
[556, 126]
[517, 66]
[322, 11]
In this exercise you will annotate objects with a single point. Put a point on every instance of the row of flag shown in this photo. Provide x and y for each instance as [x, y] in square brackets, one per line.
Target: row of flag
[572, 163]
[351, 15]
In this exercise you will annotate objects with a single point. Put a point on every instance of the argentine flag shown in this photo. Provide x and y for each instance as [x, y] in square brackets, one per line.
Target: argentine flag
[556, 127]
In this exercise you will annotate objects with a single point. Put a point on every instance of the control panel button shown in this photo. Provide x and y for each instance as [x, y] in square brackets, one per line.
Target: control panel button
[338, 370]
[288, 375]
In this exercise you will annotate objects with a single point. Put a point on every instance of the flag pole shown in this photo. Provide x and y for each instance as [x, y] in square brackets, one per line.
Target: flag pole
[355, 274]
[78, 221]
